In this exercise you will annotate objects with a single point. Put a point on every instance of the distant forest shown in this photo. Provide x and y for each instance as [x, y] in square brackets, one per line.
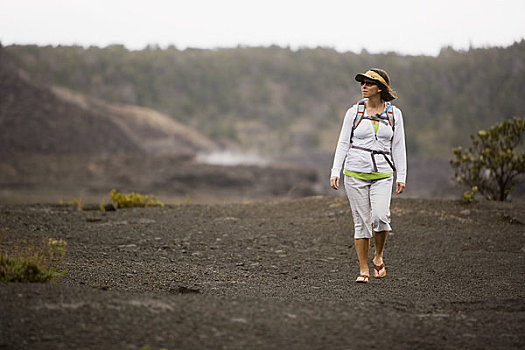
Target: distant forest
[275, 100]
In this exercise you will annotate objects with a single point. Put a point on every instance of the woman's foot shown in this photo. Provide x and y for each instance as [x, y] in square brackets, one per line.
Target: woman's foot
[379, 270]
[362, 279]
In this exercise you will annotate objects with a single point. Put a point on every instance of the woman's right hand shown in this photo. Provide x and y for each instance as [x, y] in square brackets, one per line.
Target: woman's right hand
[334, 182]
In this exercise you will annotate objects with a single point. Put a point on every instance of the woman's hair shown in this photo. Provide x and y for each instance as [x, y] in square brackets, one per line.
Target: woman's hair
[385, 94]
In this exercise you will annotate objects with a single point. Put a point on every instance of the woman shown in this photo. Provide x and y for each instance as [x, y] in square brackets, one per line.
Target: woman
[372, 140]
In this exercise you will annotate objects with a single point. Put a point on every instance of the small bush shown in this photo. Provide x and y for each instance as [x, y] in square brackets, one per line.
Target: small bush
[32, 263]
[130, 200]
[468, 196]
[77, 203]
[494, 161]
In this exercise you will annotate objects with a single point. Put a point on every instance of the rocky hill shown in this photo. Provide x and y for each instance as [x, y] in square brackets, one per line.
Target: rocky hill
[38, 118]
[151, 131]
[35, 120]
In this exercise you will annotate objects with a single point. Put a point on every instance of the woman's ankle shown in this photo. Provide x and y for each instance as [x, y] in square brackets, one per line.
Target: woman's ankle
[377, 260]
[364, 270]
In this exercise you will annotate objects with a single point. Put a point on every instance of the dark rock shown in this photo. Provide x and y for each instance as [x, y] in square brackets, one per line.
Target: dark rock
[186, 290]
[110, 207]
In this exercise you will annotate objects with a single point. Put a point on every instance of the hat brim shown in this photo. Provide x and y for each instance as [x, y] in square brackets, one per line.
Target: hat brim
[361, 77]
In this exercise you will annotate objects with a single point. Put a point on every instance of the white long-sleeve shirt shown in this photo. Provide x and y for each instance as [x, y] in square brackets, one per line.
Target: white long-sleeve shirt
[365, 137]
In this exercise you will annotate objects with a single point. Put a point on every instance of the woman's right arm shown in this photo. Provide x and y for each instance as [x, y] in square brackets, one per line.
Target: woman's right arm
[343, 144]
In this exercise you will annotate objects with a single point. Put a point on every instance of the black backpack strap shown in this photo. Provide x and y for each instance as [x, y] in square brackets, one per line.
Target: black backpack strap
[378, 118]
[373, 154]
[358, 117]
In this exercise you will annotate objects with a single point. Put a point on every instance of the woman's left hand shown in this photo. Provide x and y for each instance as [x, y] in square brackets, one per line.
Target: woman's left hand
[400, 187]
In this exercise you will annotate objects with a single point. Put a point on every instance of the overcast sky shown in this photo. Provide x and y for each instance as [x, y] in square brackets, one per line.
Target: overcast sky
[404, 26]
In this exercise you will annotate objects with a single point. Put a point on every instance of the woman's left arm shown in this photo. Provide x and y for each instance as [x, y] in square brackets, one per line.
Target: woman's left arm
[399, 151]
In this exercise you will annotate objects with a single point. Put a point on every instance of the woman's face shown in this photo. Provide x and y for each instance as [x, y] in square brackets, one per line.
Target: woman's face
[369, 89]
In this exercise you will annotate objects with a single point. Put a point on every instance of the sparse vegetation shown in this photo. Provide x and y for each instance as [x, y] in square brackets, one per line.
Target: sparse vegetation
[26, 262]
[77, 203]
[187, 200]
[492, 164]
[468, 196]
[130, 200]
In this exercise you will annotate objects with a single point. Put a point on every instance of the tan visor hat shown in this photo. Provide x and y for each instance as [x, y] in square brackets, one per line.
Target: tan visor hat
[374, 76]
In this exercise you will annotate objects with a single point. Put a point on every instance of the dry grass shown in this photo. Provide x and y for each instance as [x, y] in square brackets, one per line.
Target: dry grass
[30, 261]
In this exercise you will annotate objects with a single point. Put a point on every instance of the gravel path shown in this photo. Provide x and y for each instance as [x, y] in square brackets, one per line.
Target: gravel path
[271, 275]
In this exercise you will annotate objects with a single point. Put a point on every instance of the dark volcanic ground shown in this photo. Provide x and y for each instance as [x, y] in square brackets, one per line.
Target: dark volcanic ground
[271, 275]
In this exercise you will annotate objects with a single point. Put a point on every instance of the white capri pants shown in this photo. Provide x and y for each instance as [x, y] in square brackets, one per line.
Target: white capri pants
[370, 203]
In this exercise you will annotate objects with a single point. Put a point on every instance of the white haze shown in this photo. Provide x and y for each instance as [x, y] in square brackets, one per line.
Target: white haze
[404, 26]
[231, 158]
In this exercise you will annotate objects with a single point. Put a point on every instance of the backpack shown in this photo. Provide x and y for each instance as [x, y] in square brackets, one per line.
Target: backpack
[382, 118]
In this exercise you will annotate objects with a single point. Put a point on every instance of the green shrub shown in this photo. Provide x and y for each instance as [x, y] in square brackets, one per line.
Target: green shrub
[468, 196]
[24, 262]
[130, 200]
[494, 161]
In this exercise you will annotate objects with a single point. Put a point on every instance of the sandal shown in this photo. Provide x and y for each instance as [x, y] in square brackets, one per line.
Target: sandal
[362, 279]
[378, 269]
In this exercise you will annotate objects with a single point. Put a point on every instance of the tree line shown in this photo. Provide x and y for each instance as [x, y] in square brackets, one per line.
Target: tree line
[276, 100]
